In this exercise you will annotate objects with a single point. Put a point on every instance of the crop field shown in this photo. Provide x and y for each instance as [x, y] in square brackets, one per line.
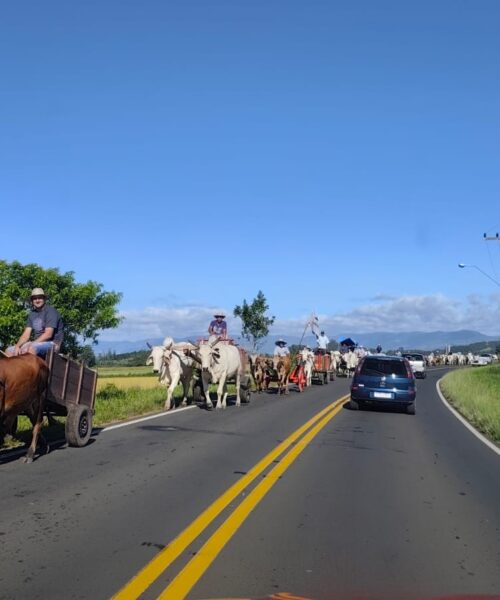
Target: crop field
[126, 372]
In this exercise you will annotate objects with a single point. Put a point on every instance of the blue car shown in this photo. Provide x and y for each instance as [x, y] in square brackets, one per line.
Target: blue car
[384, 380]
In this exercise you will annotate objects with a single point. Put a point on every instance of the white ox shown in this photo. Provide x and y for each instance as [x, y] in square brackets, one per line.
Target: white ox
[307, 357]
[352, 361]
[172, 365]
[219, 362]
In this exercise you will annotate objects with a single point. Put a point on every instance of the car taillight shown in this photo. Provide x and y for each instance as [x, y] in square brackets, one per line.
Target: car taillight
[358, 368]
[409, 370]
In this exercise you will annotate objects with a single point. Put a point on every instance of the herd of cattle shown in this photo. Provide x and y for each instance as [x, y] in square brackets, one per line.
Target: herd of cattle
[218, 362]
[23, 379]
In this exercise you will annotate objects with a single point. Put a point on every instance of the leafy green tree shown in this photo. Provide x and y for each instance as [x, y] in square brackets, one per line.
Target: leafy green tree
[255, 322]
[87, 356]
[85, 307]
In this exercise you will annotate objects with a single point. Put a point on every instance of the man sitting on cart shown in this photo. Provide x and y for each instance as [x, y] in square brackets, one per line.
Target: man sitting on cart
[322, 341]
[218, 326]
[281, 348]
[45, 323]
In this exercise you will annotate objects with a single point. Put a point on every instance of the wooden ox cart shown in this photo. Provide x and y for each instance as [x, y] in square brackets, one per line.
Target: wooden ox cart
[71, 393]
[323, 371]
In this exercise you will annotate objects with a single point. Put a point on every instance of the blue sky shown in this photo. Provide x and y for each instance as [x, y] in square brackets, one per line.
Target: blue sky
[342, 157]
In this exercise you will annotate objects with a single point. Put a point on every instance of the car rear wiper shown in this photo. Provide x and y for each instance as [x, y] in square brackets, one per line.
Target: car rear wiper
[373, 372]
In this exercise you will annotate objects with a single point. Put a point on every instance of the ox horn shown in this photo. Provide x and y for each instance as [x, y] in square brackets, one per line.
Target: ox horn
[149, 345]
[212, 344]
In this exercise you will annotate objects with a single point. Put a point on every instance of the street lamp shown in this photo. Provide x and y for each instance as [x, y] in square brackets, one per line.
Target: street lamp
[462, 266]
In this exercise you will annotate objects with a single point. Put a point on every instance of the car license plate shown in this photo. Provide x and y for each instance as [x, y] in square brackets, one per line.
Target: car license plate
[382, 395]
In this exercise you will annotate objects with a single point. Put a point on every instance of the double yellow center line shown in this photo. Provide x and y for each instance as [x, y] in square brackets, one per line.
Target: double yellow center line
[195, 568]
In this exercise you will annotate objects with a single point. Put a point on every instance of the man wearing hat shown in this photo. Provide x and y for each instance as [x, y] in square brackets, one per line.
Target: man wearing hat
[218, 326]
[281, 348]
[45, 323]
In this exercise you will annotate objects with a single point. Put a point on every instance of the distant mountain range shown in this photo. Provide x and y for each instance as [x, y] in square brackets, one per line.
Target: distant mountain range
[433, 340]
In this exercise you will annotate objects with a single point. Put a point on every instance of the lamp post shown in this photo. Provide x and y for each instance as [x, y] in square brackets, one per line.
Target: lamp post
[463, 266]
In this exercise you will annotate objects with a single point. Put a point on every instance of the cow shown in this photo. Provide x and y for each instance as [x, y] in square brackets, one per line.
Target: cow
[351, 360]
[259, 368]
[172, 366]
[23, 388]
[219, 362]
[334, 362]
[307, 357]
[283, 367]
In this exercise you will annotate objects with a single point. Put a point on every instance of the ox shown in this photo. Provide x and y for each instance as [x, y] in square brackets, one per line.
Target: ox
[307, 357]
[259, 367]
[23, 386]
[283, 367]
[172, 366]
[352, 360]
[219, 362]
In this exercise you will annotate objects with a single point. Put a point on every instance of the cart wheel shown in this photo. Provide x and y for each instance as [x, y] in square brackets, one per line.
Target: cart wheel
[78, 425]
[245, 390]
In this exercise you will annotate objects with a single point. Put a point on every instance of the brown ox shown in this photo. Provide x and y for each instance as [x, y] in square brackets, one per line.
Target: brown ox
[23, 384]
[259, 367]
[283, 367]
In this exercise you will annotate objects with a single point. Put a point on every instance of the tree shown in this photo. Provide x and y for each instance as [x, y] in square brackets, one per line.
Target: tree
[255, 323]
[87, 356]
[85, 308]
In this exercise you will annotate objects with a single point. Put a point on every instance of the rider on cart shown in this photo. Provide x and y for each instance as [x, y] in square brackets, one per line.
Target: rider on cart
[322, 341]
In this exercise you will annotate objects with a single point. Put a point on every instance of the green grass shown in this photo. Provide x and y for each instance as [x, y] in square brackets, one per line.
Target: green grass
[475, 393]
[126, 372]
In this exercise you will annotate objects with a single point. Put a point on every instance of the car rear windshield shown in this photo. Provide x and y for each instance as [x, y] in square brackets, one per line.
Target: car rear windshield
[413, 356]
[373, 366]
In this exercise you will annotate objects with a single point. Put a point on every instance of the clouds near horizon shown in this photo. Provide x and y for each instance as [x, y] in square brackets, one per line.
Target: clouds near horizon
[383, 313]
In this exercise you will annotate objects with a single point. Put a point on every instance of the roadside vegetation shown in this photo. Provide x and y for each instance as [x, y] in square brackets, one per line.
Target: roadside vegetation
[475, 393]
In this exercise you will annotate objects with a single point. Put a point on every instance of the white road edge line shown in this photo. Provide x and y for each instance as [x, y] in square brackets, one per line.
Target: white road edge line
[148, 418]
[480, 436]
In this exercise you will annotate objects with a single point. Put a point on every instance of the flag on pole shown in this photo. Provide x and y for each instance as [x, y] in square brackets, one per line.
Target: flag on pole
[314, 323]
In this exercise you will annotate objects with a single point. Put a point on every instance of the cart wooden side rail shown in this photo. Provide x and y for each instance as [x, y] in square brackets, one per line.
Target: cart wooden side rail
[322, 369]
[71, 393]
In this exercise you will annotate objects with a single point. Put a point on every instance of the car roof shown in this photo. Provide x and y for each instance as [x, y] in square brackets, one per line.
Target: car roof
[384, 357]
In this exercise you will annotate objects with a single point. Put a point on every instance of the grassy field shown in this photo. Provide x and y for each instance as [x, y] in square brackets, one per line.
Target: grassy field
[475, 393]
[105, 372]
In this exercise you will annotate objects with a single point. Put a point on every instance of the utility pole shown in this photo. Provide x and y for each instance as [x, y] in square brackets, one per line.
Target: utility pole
[496, 238]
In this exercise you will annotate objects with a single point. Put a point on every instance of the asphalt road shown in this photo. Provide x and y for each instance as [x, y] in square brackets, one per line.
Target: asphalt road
[376, 504]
